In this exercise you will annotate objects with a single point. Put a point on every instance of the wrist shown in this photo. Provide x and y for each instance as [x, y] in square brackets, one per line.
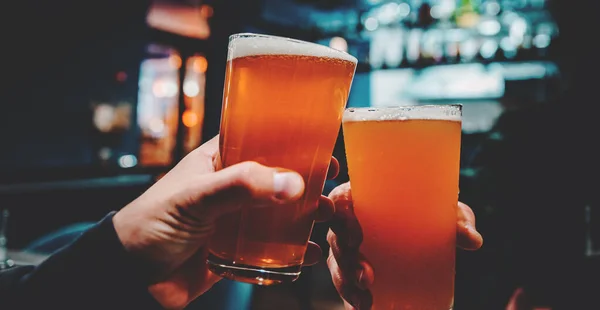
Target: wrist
[135, 242]
[123, 230]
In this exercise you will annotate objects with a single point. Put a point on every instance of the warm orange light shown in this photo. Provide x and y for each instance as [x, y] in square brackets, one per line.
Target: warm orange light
[467, 19]
[200, 64]
[121, 76]
[175, 61]
[207, 11]
[190, 119]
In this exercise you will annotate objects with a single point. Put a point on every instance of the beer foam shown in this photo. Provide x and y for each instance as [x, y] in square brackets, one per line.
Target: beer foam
[249, 44]
[422, 112]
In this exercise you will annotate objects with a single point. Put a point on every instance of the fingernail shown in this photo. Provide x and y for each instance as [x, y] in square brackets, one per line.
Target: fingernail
[287, 185]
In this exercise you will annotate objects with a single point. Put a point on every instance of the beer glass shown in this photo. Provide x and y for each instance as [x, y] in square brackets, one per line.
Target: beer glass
[403, 164]
[282, 107]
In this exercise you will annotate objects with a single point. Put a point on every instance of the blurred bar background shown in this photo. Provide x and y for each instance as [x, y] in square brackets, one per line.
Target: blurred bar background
[92, 119]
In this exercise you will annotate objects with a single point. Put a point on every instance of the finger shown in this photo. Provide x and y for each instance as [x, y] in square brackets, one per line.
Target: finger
[351, 260]
[346, 257]
[342, 193]
[325, 210]
[344, 222]
[348, 306]
[347, 285]
[247, 183]
[347, 229]
[334, 169]
[367, 277]
[313, 254]
[467, 238]
[184, 284]
[519, 301]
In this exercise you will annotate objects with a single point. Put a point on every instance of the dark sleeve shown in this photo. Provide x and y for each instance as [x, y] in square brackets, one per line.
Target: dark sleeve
[94, 272]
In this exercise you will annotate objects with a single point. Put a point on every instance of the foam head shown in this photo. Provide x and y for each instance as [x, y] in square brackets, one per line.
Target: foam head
[422, 112]
[249, 44]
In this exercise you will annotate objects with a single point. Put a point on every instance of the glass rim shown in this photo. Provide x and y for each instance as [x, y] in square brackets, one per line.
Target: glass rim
[236, 36]
[449, 112]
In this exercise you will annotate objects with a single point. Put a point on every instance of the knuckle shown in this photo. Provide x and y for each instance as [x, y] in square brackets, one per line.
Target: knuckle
[247, 172]
[330, 237]
[332, 263]
[341, 193]
[465, 208]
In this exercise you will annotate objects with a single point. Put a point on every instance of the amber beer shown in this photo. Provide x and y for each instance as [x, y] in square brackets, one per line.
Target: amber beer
[404, 167]
[282, 107]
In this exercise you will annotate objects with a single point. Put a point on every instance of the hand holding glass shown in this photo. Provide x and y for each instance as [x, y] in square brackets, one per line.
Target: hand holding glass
[282, 107]
[404, 167]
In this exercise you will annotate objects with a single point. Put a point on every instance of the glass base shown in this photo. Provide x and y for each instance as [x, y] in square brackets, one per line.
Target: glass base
[253, 274]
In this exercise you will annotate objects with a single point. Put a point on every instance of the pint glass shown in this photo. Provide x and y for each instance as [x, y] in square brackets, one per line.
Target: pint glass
[404, 168]
[282, 107]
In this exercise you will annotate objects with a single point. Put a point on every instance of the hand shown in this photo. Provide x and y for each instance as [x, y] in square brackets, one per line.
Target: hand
[169, 225]
[521, 301]
[345, 237]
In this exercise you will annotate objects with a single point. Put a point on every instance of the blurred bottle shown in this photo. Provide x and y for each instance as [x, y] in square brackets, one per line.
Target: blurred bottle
[424, 18]
[466, 14]
[413, 46]
[452, 52]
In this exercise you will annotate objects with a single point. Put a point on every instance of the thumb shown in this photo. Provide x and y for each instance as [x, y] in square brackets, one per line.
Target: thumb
[249, 183]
